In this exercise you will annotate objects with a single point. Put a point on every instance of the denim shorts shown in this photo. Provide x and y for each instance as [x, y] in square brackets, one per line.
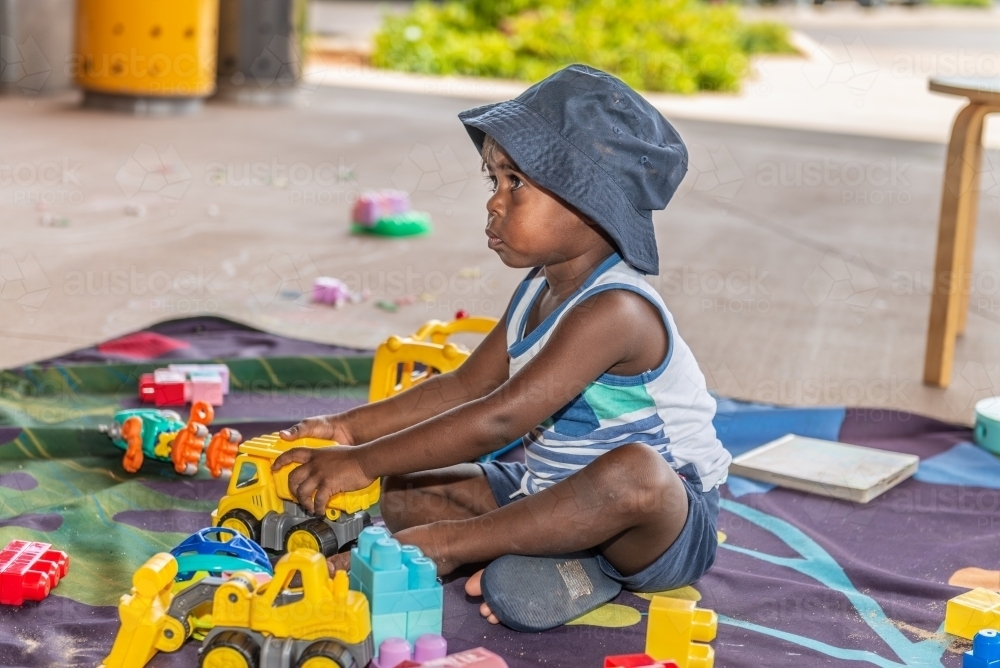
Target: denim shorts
[686, 560]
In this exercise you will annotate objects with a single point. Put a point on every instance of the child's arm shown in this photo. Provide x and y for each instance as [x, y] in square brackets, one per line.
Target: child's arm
[486, 368]
[609, 330]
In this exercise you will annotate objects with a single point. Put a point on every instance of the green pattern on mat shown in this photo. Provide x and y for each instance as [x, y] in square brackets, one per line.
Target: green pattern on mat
[59, 471]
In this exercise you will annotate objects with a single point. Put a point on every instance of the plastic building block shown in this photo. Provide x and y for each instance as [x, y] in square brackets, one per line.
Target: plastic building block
[163, 387]
[676, 631]
[401, 584]
[395, 651]
[971, 612]
[376, 204]
[189, 369]
[206, 386]
[408, 224]
[985, 652]
[470, 658]
[636, 661]
[29, 571]
[332, 291]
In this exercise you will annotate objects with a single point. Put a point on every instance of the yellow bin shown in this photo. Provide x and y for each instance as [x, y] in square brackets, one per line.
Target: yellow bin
[147, 48]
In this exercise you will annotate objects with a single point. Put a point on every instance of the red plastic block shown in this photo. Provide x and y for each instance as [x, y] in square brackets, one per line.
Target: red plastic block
[29, 571]
[636, 661]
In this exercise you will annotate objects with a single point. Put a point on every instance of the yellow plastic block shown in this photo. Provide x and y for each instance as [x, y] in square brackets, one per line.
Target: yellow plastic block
[677, 630]
[969, 613]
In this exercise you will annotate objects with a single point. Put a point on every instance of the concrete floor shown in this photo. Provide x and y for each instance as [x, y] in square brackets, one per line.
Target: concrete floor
[796, 263]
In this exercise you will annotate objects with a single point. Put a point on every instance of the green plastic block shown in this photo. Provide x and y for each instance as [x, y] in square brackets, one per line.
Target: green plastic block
[409, 224]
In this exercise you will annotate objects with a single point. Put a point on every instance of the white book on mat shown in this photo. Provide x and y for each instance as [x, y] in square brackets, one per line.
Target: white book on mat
[828, 468]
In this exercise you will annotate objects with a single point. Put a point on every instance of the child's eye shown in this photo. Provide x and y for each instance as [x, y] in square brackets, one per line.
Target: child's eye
[491, 183]
[515, 182]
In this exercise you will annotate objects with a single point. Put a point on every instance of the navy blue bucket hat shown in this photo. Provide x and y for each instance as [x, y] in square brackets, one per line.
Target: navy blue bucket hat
[596, 143]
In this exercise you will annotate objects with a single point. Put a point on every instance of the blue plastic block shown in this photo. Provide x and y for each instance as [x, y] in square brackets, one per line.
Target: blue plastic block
[388, 626]
[423, 621]
[985, 651]
[395, 578]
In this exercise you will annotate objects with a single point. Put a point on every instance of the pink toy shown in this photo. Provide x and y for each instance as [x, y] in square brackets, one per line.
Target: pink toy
[331, 291]
[181, 384]
[636, 661]
[376, 204]
[206, 387]
[221, 369]
[393, 652]
[470, 658]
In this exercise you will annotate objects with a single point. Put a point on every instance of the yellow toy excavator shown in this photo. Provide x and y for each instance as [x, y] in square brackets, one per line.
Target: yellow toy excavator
[302, 618]
[259, 505]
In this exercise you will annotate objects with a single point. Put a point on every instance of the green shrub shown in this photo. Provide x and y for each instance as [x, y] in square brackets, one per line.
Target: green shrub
[964, 3]
[658, 45]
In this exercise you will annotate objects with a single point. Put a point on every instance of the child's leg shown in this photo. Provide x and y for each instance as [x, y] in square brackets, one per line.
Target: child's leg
[629, 503]
[458, 492]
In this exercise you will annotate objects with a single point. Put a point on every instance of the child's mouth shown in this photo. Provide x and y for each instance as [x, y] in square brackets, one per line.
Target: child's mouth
[493, 241]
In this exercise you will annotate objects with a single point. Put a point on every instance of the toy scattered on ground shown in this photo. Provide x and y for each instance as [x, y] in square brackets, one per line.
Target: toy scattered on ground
[160, 435]
[393, 652]
[259, 505]
[470, 658]
[302, 617]
[181, 384]
[29, 571]
[987, 430]
[636, 661]
[401, 584]
[388, 213]
[328, 290]
[677, 630]
[985, 652]
[402, 362]
[971, 612]
[217, 550]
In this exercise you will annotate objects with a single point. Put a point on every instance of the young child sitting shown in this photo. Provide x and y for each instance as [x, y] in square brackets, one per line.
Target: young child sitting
[619, 486]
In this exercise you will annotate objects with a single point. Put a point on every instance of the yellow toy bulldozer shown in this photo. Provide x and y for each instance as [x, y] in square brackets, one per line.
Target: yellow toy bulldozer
[259, 505]
[300, 618]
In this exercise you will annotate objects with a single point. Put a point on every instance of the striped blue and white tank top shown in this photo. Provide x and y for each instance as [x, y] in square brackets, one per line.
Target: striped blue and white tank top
[668, 408]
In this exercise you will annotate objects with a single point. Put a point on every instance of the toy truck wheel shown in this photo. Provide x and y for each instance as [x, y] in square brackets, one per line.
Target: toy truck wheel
[312, 535]
[326, 654]
[243, 523]
[230, 649]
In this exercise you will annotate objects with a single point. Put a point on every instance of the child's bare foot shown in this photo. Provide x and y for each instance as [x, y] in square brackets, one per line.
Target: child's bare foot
[474, 587]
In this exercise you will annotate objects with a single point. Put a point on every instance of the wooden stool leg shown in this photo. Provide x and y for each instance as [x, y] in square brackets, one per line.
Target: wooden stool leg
[952, 245]
[972, 214]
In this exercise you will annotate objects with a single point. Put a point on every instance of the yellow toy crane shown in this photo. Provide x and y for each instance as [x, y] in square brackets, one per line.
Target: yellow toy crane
[394, 367]
[259, 505]
[301, 618]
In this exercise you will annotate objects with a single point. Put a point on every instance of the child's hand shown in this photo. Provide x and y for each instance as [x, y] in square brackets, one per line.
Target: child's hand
[433, 542]
[330, 427]
[323, 473]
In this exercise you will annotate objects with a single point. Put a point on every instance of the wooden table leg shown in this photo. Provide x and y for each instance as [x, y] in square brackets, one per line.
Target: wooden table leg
[972, 214]
[960, 187]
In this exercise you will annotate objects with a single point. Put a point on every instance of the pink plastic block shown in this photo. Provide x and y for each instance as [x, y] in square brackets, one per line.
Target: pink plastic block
[394, 652]
[636, 661]
[331, 291]
[376, 204]
[188, 369]
[471, 658]
[206, 387]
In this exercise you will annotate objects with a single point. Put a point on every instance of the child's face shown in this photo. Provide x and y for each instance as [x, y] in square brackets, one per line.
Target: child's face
[527, 225]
